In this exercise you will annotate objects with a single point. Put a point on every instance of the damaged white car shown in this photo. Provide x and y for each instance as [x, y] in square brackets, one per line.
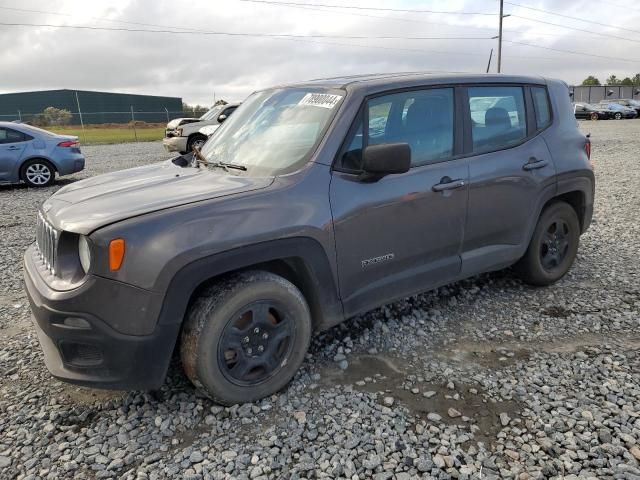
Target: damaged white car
[183, 134]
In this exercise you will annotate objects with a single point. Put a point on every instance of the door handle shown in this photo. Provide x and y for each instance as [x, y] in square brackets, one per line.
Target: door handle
[534, 163]
[447, 184]
[13, 148]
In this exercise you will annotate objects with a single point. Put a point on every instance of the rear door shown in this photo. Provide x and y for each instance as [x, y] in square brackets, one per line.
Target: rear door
[510, 171]
[12, 147]
[403, 233]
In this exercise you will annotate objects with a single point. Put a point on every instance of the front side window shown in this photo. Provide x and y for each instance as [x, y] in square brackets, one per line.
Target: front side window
[422, 118]
[541, 107]
[274, 131]
[498, 118]
[8, 135]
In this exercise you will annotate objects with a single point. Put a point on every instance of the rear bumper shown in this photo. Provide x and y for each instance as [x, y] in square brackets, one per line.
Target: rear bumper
[71, 164]
[175, 144]
[88, 351]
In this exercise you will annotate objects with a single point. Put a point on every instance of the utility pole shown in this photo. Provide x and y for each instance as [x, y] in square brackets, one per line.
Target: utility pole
[500, 36]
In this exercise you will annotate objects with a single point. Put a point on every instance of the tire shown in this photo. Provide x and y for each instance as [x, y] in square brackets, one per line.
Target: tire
[38, 173]
[618, 116]
[196, 140]
[553, 246]
[594, 116]
[245, 337]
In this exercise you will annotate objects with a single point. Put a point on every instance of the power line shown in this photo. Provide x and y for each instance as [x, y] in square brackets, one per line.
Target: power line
[575, 29]
[190, 29]
[352, 7]
[572, 52]
[617, 5]
[241, 34]
[571, 17]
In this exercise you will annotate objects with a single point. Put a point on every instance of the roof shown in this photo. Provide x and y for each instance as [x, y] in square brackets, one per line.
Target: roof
[400, 79]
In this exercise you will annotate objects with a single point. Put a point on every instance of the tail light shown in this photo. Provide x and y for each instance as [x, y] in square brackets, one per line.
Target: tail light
[69, 144]
[587, 150]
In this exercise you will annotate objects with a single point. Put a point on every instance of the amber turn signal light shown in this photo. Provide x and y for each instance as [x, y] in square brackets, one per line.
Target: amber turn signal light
[116, 254]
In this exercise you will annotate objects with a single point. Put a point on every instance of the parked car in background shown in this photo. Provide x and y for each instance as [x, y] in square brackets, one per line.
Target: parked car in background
[182, 134]
[35, 156]
[316, 202]
[635, 104]
[591, 112]
[619, 111]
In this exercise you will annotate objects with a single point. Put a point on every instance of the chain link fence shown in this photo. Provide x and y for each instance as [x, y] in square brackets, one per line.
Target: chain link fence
[106, 127]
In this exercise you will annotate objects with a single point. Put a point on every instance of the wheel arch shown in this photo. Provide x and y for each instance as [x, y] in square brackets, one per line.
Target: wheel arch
[24, 161]
[302, 261]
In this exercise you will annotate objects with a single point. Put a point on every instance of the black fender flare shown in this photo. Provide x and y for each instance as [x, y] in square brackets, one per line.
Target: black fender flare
[316, 280]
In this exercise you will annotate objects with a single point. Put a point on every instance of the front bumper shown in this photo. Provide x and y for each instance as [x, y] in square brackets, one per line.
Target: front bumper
[175, 144]
[87, 350]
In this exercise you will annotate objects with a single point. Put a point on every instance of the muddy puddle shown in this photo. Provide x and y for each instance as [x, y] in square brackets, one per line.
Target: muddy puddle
[388, 377]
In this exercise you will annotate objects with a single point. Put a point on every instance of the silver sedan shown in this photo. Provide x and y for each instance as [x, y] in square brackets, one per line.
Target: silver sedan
[34, 155]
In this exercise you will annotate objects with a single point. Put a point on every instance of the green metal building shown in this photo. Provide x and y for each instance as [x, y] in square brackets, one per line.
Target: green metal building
[91, 107]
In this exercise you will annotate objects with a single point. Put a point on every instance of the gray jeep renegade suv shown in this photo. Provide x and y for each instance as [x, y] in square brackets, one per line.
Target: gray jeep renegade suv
[314, 202]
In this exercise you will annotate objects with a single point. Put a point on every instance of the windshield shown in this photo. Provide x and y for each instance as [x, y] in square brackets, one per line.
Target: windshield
[213, 113]
[616, 106]
[275, 131]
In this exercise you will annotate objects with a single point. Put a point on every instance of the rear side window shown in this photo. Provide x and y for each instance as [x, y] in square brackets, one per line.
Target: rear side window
[541, 107]
[11, 136]
[498, 118]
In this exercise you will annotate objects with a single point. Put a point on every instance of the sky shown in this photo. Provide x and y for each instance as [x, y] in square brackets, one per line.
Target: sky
[198, 64]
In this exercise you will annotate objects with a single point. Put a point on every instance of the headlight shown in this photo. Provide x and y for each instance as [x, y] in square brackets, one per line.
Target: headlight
[84, 253]
[179, 132]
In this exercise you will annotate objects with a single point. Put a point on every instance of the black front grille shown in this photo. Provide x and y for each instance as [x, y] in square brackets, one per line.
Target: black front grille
[47, 243]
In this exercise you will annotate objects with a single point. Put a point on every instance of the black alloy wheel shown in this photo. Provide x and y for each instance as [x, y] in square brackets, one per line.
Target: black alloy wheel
[555, 245]
[255, 343]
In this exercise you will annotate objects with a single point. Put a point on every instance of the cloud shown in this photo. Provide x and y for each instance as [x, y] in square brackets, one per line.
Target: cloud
[196, 66]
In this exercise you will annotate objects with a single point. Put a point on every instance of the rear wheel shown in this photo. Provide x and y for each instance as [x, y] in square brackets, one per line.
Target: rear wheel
[618, 116]
[594, 116]
[245, 337]
[553, 246]
[38, 173]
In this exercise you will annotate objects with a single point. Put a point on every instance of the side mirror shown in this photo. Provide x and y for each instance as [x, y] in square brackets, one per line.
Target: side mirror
[222, 118]
[385, 159]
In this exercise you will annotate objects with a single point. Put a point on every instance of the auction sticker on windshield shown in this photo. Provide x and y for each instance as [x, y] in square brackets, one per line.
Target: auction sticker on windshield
[324, 100]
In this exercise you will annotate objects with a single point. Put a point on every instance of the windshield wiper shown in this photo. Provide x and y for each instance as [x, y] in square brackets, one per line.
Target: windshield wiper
[225, 165]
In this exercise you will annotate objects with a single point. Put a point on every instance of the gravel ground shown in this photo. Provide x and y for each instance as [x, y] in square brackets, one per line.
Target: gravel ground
[486, 378]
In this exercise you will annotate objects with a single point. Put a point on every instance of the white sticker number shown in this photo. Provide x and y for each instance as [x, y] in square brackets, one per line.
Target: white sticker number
[324, 100]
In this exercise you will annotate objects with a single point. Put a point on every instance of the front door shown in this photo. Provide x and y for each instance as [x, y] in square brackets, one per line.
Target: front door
[12, 145]
[401, 234]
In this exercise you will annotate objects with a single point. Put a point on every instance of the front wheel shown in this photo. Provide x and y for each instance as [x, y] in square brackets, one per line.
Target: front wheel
[553, 247]
[245, 337]
[196, 141]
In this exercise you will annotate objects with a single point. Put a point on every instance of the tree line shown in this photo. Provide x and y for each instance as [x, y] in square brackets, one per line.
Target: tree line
[614, 80]
[198, 110]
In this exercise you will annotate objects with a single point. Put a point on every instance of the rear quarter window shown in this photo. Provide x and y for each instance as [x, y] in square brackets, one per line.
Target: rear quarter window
[541, 107]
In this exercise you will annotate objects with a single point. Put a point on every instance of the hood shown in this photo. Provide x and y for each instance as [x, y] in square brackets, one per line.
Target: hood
[86, 205]
[176, 122]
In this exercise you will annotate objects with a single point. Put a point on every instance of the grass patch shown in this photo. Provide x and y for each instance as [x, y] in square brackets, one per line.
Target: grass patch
[102, 135]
